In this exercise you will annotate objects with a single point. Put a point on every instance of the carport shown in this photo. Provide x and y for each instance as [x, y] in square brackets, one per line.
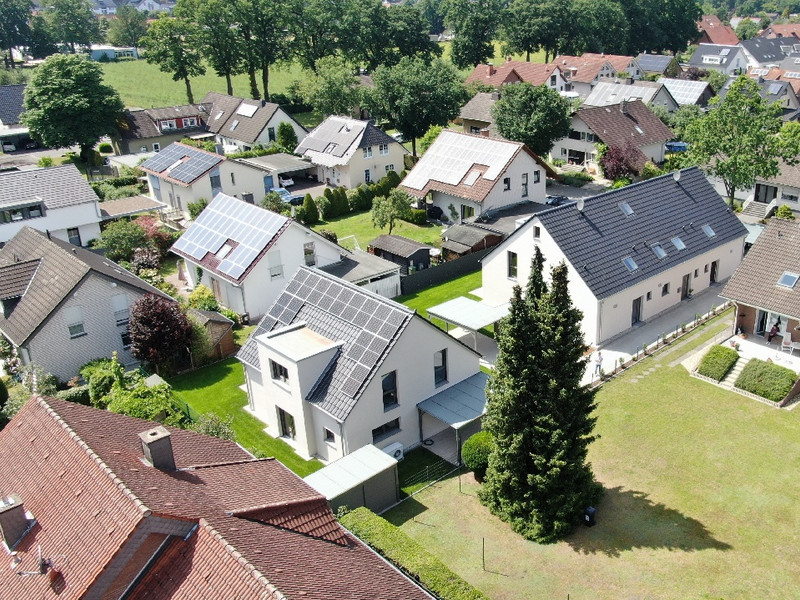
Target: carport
[468, 314]
[457, 412]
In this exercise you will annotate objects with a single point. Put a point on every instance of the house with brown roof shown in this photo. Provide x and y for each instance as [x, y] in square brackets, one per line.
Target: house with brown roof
[765, 287]
[713, 31]
[239, 123]
[63, 305]
[780, 30]
[102, 505]
[517, 71]
[146, 130]
[410, 254]
[476, 114]
[583, 72]
[475, 174]
[620, 125]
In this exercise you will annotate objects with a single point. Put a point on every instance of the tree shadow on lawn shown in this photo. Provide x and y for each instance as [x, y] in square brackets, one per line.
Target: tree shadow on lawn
[407, 510]
[627, 519]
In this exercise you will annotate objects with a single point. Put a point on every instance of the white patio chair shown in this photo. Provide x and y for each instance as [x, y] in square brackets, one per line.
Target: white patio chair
[786, 344]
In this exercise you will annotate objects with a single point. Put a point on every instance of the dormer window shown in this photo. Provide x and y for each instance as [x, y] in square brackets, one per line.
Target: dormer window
[189, 122]
[167, 125]
[788, 279]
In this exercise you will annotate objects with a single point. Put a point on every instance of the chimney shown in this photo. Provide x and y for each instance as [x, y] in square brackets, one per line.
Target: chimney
[490, 70]
[13, 521]
[157, 448]
[484, 132]
[624, 107]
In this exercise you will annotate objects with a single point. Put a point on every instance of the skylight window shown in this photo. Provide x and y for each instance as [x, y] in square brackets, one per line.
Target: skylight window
[630, 263]
[659, 251]
[639, 129]
[678, 243]
[235, 124]
[788, 279]
[626, 209]
[223, 252]
[708, 231]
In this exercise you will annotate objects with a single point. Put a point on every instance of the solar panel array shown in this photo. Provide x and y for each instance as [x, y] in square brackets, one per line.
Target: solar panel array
[775, 89]
[684, 92]
[193, 162]
[228, 218]
[453, 154]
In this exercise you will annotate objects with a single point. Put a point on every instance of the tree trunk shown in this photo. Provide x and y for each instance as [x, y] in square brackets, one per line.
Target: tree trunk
[265, 81]
[189, 95]
[86, 150]
[414, 147]
[230, 83]
[730, 191]
[527, 56]
[254, 93]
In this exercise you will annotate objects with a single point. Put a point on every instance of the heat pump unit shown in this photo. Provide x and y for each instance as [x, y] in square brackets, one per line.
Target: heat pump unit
[395, 450]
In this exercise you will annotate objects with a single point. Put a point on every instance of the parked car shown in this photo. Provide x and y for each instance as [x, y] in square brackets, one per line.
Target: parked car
[555, 200]
[285, 182]
[30, 144]
[9, 147]
[287, 197]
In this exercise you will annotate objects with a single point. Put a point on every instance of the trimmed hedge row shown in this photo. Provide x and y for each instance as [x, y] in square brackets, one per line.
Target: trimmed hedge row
[717, 362]
[766, 379]
[392, 543]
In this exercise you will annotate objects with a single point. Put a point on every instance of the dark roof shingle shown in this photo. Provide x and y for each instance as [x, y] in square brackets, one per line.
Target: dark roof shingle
[58, 187]
[12, 98]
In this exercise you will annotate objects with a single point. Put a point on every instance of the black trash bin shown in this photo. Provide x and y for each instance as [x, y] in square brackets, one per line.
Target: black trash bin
[588, 516]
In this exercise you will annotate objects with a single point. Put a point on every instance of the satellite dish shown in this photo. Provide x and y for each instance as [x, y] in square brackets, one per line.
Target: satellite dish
[676, 176]
[579, 204]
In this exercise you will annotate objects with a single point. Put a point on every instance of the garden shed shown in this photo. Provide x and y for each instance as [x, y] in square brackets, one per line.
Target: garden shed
[366, 477]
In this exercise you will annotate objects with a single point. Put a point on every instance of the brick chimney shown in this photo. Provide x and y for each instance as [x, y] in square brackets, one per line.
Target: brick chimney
[13, 521]
[157, 448]
[490, 70]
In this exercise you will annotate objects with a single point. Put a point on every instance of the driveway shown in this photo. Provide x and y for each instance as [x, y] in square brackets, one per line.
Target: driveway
[28, 159]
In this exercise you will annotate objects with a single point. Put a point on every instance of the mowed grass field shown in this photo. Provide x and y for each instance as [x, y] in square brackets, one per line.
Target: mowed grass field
[700, 501]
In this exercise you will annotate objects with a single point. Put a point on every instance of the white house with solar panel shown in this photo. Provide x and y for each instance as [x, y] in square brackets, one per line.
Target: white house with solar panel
[246, 253]
[476, 174]
[632, 253]
[333, 367]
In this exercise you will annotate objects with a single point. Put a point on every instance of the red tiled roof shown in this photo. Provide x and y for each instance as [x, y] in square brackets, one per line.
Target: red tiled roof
[716, 32]
[781, 30]
[511, 71]
[587, 66]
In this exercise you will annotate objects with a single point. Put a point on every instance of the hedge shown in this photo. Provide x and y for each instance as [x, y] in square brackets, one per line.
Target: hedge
[766, 379]
[78, 395]
[409, 556]
[717, 362]
[475, 453]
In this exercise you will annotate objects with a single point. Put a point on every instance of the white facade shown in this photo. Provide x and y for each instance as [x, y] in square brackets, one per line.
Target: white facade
[77, 224]
[267, 136]
[366, 165]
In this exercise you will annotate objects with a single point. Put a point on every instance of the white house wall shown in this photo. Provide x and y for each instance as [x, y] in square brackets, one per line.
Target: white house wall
[278, 118]
[561, 147]
[86, 217]
[352, 174]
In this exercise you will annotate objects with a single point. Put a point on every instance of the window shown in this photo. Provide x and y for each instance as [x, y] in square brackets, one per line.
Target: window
[156, 147]
[142, 148]
[788, 279]
[271, 134]
[275, 265]
[630, 263]
[279, 372]
[649, 295]
[35, 212]
[665, 289]
[309, 257]
[287, 424]
[467, 211]
[383, 149]
[119, 304]
[708, 231]
[552, 80]
[512, 265]
[696, 273]
[189, 122]
[389, 167]
[626, 209]
[74, 318]
[678, 243]
[574, 135]
[233, 179]
[389, 387]
[474, 129]
[367, 176]
[385, 430]
[563, 152]
[524, 184]
[367, 152]
[74, 236]
[705, 269]
[167, 125]
[216, 181]
[440, 367]
[659, 251]
[126, 339]
[506, 184]
[234, 125]
[537, 177]
[329, 435]
[537, 232]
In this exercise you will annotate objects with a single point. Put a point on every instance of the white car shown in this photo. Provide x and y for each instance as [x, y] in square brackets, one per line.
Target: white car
[9, 147]
[285, 182]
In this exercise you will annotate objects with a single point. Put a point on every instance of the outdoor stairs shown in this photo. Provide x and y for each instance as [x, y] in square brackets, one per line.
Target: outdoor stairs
[756, 209]
[572, 168]
[733, 374]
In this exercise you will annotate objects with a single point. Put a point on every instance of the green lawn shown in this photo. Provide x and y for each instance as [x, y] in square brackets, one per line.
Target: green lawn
[216, 389]
[700, 502]
[360, 225]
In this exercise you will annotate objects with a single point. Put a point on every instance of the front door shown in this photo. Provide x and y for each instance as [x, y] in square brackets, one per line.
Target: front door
[765, 193]
[269, 183]
[636, 311]
[714, 271]
[685, 286]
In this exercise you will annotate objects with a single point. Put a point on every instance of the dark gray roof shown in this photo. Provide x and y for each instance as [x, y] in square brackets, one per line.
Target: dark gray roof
[58, 187]
[222, 107]
[755, 282]
[240, 119]
[143, 124]
[726, 54]
[479, 108]
[357, 266]
[62, 267]
[208, 316]
[596, 240]
[398, 245]
[654, 63]
[467, 235]
[181, 163]
[773, 91]
[368, 326]
[768, 50]
[15, 278]
[11, 103]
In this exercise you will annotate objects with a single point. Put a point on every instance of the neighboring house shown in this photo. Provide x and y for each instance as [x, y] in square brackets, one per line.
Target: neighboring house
[104, 7]
[775, 92]
[462, 239]
[787, 30]
[63, 305]
[606, 93]
[765, 286]
[181, 174]
[789, 71]
[239, 123]
[246, 253]
[102, 505]
[367, 271]
[658, 64]
[765, 52]
[687, 92]
[585, 71]
[111, 53]
[277, 167]
[57, 200]
[515, 71]
[729, 60]
[712, 31]
[784, 188]
[410, 254]
[348, 152]
[632, 253]
[476, 115]
[12, 98]
[333, 367]
[149, 129]
[627, 123]
[475, 174]
[154, 5]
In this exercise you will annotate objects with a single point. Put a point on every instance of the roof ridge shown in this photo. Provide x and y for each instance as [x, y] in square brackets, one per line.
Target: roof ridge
[374, 295]
[229, 463]
[115, 479]
[237, 512]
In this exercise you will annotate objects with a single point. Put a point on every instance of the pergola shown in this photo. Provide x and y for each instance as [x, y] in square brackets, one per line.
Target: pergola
[468, 314]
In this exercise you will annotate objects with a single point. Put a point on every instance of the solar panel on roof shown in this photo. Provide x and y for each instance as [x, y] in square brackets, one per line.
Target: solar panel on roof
[775, 88]
[246, 110]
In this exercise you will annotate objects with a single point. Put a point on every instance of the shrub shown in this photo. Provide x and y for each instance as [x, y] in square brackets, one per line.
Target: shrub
[3, 393]
[576, 179]
[18, 395]
[650, 170]
[254, 153]
[105, 148]
[231, 314]
[329, 235]
[766, 379]
[157, 235]
[78, 395]
[6, 349]
[287, 138]
[145, 258]
[717, 362]
[475, 453]
[155, 403]
[91, 367]
[392, 543]
[310, 212]
[100, 385]
[201, 346]
[784, 212]
[121, 238]
[213, 424]
[45, 161]
[202, 298]
[46, 383]
[620, 183]
[195, 208]
[417, 216]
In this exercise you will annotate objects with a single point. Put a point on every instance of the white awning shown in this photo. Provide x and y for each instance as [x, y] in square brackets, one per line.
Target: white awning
[460, 404]
[469, 314]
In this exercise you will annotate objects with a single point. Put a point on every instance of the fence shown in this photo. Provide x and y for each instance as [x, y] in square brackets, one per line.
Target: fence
[451, 269]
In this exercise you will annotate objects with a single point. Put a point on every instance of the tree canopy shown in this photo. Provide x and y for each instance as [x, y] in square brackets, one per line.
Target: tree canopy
[534, 115]
[333, 88]
[173, 44]
[475, 23]
[67, 103]
[14, 26]
[388, 209]
[128, 27]
[72, 22]
[160, 331]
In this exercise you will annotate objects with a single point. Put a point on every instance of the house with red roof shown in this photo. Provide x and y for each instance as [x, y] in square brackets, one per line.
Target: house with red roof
[713, 31]
[583, 72]
[517, 71]
[102, 505]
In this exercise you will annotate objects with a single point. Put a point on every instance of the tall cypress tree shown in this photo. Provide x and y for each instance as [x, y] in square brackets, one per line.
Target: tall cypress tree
[539, 414]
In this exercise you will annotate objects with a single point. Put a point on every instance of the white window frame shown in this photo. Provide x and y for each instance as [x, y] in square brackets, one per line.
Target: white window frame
[367, 151]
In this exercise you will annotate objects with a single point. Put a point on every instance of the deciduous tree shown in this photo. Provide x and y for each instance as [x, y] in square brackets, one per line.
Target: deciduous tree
[619, 162]
[287, 137]
[262, 27]
[73, 23]
[160, 331]
[333, 88]
[534, 115]
[14, 26]
[474, 24]
[128, 27]
[388, 209]
[173, 44]
[121, 239]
